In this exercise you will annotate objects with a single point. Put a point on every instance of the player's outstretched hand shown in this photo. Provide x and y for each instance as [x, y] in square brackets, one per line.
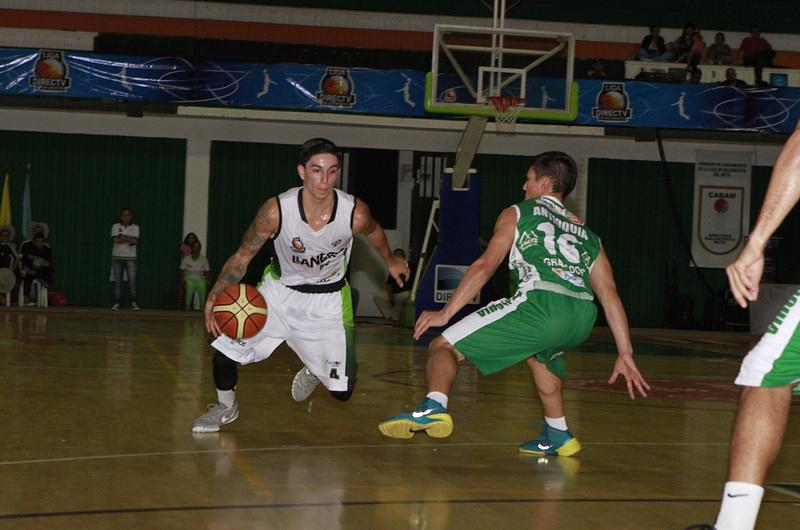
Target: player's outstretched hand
[626, 367]
[399, 270]
[211, 323]
[745, 273]
[429, 319]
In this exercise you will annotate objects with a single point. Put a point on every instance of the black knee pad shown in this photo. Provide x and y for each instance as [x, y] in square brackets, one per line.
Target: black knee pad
[225, 373]
[344, 395]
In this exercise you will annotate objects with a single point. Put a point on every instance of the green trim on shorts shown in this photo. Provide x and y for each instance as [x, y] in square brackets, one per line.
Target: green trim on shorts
[351, 370]
[544, 325]
[786, 368]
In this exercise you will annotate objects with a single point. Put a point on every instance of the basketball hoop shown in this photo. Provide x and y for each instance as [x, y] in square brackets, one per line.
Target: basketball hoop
[506, 111]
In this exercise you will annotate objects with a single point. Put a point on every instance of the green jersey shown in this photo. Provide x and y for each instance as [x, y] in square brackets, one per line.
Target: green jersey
[553, 250]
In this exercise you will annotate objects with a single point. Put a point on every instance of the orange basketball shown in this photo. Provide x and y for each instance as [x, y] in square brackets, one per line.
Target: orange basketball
[240, 311]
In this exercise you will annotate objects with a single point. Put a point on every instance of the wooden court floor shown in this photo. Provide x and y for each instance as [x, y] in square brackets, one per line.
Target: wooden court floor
[97, 407]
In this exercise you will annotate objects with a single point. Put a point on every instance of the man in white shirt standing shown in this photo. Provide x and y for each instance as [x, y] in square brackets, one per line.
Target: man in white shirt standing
[125, 236]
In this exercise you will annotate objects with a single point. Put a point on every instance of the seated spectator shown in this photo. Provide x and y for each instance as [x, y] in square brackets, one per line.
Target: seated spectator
[681, 47]
[756, 51]
[194, 276]
[699, 50]
[36, 262]
[720, 52]
[695, 76]
[653, 47]
[731, 79]
[597, 71]
[8, 252]
[392, 298]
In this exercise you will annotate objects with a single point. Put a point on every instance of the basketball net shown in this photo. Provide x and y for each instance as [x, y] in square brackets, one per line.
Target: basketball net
[506, 111]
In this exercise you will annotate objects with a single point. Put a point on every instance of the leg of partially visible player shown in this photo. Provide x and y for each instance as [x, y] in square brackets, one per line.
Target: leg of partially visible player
[555, 438]
[430, 416]
[756, 441]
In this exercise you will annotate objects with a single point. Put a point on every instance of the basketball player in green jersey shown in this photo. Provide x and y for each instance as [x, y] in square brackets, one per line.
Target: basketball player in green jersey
[560, 266]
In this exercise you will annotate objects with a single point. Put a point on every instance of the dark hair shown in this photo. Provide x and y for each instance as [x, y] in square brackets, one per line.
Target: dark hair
[186, 239]
[653, 27]
[719, 34]
[398, 249]
[126, 209]
[317, 146]
[561, 169]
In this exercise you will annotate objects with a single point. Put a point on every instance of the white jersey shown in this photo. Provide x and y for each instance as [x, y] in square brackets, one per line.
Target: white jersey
[124, 250]
[306, 257]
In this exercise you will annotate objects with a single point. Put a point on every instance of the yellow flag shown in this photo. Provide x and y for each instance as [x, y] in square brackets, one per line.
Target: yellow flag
[5, 204]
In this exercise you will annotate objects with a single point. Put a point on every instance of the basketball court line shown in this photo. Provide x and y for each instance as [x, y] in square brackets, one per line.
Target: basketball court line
[355, 504]
[254, 481]
[275, 449]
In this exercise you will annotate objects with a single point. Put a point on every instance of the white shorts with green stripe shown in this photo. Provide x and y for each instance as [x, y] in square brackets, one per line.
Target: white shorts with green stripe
[317, 326]
[775, 360]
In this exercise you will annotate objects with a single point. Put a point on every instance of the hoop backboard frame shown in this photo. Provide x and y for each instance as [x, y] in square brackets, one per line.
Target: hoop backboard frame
[562, 42]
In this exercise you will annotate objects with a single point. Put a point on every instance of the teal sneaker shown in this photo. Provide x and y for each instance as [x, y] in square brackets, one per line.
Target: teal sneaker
[430, 417]
[551, 442]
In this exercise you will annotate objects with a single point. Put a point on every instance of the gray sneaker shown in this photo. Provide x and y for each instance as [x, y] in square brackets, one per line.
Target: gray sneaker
[303, 385]
[217, 416]
[115, 307]
[135, 306]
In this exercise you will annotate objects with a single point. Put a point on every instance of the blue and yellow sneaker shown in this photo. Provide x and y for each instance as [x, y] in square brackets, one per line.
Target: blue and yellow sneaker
[430, 417]
[551, 442]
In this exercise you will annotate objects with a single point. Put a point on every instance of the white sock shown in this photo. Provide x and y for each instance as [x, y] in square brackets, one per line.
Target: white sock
[226, 397]
[438, 396]
[557, 423]
[740, 504]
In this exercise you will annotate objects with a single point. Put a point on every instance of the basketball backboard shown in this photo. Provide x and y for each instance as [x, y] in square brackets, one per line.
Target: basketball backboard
[470, 64]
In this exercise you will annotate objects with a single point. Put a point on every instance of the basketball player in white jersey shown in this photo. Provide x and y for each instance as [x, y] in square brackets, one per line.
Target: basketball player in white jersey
[312, 228]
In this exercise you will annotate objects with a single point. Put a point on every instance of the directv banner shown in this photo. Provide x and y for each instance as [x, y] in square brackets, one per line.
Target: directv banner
[386, 92]
[177, 80]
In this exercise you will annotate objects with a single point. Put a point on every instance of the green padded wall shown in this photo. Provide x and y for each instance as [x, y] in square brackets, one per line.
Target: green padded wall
[243, 176]
[78, 185]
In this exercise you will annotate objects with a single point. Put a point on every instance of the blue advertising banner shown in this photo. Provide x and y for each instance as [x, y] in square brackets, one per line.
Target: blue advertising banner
[178, 80]
[379, 92]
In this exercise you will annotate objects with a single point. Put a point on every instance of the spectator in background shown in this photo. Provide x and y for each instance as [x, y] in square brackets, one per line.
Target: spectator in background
[695, 76]
[186, 249]
[699, 51]
[8, 252]
[681, 47]
[194, 271]
[720, 52]
[125, 236]
[597, 71]
[756, 51]
[391, 300]
[653, 47]
[732, 80]
[188, 241]
[36, 262]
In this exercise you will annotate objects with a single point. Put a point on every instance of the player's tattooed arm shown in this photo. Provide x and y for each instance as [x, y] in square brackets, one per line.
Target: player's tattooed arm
[366, 225]
[264, 226]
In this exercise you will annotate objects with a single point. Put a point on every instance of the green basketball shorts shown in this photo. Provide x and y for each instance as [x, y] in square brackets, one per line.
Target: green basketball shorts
[775, 360]
[538, 323]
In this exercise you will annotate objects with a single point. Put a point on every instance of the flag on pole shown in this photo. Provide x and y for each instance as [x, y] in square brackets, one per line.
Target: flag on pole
[5, 203]
[26, 205]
